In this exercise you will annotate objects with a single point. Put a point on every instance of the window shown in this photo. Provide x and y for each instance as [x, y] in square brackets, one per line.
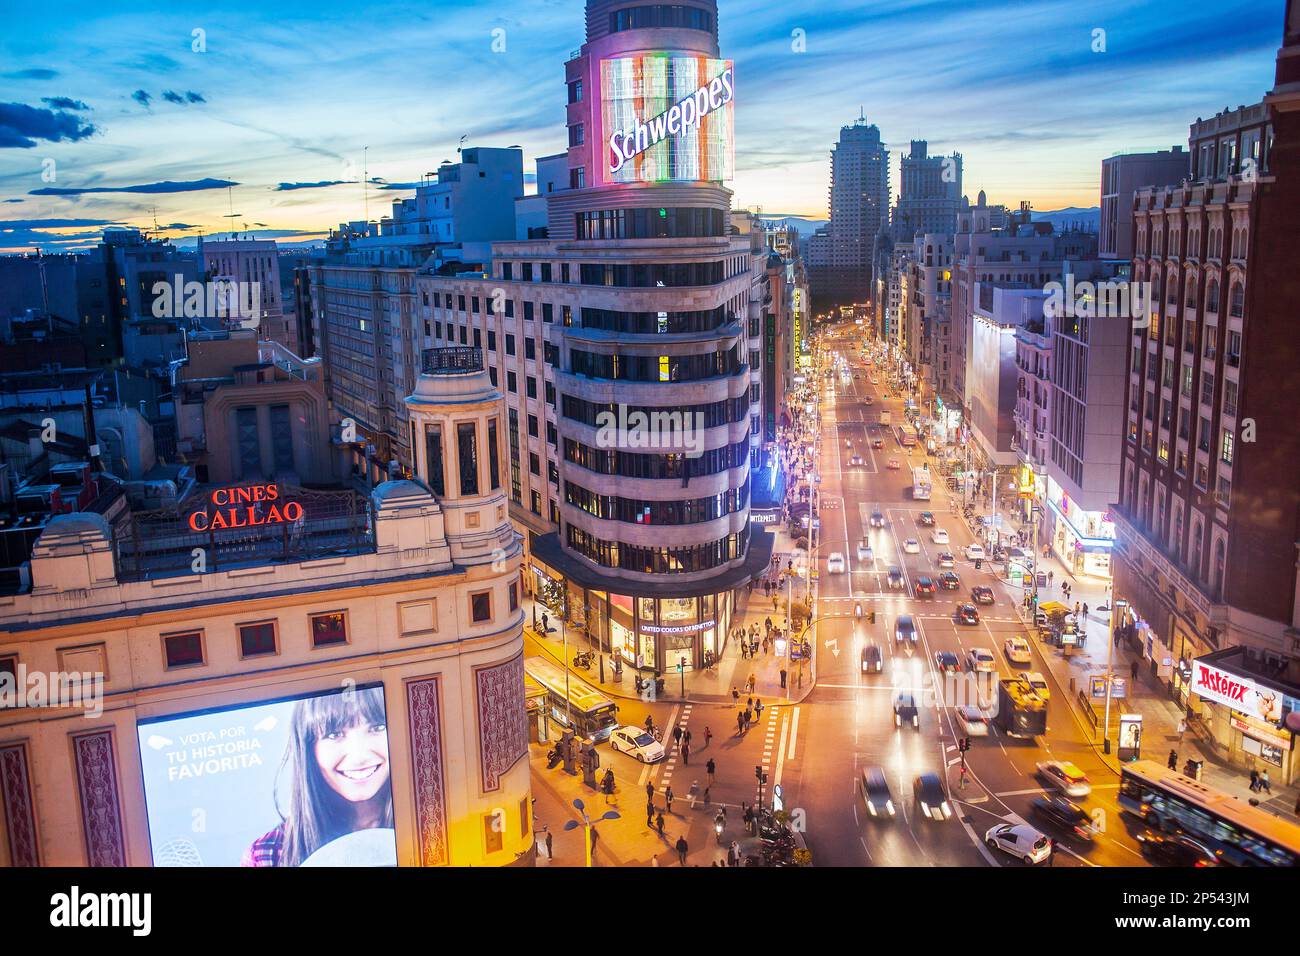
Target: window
[548, 310]
[576, 134]
[494, 825]
[257, 639]
[281, 439]
[510, 344]
[494, 456]
[536, 503]
[1225, 451]
[480, 606]
[249, 443]
[530, 384]
[433, 460]
[525, 817]
[575, 91]
[534, 464]
[507, 270]
[181, 650]
[467, 446]
[512, 382]
[532, 426]
[530, 346]
[514, 595]
[328, 629]
[577, 180]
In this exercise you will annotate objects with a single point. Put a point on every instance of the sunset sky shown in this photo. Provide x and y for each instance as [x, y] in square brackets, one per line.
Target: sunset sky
[111, 117]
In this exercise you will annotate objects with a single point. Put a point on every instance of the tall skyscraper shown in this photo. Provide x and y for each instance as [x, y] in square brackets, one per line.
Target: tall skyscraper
[629, 343]
[859, 206]
[929, 193]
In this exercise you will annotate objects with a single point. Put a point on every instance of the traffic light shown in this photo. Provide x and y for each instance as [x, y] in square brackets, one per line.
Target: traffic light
[758, 772]
[978, 563]
[871, 617]
[963, 744]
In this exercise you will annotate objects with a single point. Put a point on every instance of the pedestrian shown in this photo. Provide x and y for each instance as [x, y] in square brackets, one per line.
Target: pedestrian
[1133, 670]
[694, 792]
[650, 792]
[735, 694]
[686, 755]
[750, 689]
[649, 724]
[749, 717]
[1076, 608]
[733, 854]
[659, 825]
[1049, 575]
[1254, 781]
[550, 839]
[774, 602]
[687, 736]
[1264, 784]
[783, 675]
[668, 798]
[708, 736]
[677, 734]
[768, 623]
[682, 847]
[546, 624]
[595, 836]
[650, 814]
[1085, 610]
[607, 785]
[749, 703]
[711, 767]
[740, 722]
[758, 708]
[1173, 760]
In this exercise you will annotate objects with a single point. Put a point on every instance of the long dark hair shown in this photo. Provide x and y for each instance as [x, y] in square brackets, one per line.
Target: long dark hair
[316, 813]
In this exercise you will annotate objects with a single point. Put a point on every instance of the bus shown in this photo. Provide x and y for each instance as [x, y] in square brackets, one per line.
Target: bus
[920, 484]
[1237, 833]
[593, 714]
[907, 436]
[1021, 712]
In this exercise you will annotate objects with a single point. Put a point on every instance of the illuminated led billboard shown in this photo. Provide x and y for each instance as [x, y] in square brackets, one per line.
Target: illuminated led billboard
[667, 117]
[303, 782]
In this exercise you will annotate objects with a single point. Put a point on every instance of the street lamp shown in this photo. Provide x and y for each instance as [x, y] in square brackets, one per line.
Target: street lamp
[587, 822]
[1111, 607]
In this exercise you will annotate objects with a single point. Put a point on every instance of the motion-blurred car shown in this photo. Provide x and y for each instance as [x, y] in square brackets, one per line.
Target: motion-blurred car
[905, 709]
[892, 464]
[925, 587]
[949, 581]
[1017, 649]
[912, 546]
[972, 721]
[1177, 850]
[1066, 777]
[981, 660]
[1066, 814]
[895, 577]
[925, 519]
[939, 536]
[931, 797]
[873, 661]
[967, 614]
[877, 443]
[875, 793]
[877, 519]
[868, 401]
[1037, 683]
[635, 742]
[981, 594]
[904, 630]
[835, 563]
[1019, 840]
[946, 661]
[865, 552]
[946, 560]
[974, 551]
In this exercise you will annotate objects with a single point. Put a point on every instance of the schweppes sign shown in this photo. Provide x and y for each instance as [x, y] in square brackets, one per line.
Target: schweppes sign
[246, 506]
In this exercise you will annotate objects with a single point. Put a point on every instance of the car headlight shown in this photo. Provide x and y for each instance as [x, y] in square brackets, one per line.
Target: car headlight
[889, 806]
[947, 810]
[872, 807]
[925, 808]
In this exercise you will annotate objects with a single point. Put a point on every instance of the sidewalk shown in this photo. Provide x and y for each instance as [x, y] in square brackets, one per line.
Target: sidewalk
[1147, 695]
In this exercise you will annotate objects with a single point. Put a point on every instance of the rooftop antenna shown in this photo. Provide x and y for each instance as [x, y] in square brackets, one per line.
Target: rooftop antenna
[462, 142]
[365, 181]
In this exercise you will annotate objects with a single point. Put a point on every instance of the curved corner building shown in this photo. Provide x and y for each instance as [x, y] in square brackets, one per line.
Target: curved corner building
[657, 375]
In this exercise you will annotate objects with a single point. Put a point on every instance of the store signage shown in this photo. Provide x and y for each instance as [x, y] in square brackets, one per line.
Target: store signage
[764, 517]
[677, 628]
[1239, 693]
[1259, 734]
[247, 506]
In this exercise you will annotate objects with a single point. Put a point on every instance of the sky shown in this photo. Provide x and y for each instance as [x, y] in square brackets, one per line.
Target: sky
[265, 114]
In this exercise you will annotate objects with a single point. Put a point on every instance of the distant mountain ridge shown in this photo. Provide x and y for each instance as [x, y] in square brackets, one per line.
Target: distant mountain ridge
[1085, 218]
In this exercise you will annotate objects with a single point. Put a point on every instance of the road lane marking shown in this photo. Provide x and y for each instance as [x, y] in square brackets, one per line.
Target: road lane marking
[794, 734]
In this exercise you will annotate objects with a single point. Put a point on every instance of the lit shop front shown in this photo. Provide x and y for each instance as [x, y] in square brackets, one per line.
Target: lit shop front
[1252, 716]
[649, 627]
[1084, 540]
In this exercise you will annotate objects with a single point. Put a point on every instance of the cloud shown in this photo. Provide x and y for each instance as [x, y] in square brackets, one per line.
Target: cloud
[172, 97]
[141, 97]
[289, 187]
[36, 73]
[10, 224]
[167, 186]
[11, 200]
[179, 225]
[63, 103]
[194, 97]
[22, 125]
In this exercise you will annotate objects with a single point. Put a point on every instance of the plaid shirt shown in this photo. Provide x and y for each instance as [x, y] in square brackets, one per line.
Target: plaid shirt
[266, 849]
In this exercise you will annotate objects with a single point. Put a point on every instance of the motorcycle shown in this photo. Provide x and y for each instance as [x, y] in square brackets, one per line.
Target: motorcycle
[857, 609]
[583, 659]
[552, 758]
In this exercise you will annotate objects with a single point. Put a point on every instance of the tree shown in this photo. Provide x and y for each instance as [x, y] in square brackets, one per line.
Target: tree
[555, 596]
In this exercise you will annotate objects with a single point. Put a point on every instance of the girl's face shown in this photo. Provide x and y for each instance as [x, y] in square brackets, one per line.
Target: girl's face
[354, 762]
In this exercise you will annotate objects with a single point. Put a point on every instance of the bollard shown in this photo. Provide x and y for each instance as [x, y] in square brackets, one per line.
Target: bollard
[1071, 685]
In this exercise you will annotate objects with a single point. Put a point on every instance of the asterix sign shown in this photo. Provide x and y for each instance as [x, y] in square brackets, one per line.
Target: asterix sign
[1239, 693]
[247, 506]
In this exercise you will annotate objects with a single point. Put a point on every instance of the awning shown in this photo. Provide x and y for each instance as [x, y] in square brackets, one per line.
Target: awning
[1054, 607]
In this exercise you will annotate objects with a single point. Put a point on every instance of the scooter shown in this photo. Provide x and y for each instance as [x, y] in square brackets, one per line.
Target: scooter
[552, 758]
[583, 659]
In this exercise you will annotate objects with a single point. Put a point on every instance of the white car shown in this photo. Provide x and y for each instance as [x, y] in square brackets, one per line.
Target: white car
[912, 546]
[1037, 682]
[972, 721]
[974, 551]
[865, 553]
[1017, 649]
[1020, 840]
[945, 559]
[981, 659]
[835, 563]
[1066, 777]
[939, 536]
[635, 742]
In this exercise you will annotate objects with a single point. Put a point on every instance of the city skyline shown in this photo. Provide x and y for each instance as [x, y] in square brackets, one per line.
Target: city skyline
[142, 122]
